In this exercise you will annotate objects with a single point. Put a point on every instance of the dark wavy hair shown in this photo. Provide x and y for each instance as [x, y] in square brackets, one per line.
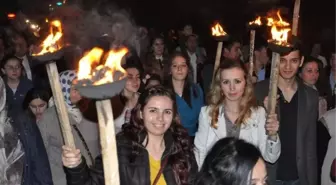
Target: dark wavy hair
[182, 149]
[229, 162]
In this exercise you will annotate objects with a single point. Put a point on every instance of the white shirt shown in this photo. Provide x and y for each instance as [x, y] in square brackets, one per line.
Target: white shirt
[193, 62]
[26, 67]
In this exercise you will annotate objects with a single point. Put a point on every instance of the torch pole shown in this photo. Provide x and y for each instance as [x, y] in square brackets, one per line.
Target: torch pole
[60, 105]
[218, 57]
[252, 39]
[296, 16]
[273, 87]
[108, 142]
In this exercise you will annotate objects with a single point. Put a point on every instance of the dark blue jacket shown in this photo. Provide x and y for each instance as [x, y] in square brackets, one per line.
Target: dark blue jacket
[15, 100]
[36, 166]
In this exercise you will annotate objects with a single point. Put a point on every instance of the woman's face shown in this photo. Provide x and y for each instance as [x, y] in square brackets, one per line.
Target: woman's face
[133, 80]
[310, 73]
[75, 96]
[179, 68]
[158, 47]
[259, 174]
[13, 69]
[38, 106]
[157, 115]
[233, 83]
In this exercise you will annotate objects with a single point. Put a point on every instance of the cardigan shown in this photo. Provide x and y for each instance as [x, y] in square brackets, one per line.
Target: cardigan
[189, 115]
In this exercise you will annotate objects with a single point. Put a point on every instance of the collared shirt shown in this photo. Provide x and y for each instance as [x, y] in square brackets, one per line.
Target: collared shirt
[26, 66]
[261, 74]
[287, 164]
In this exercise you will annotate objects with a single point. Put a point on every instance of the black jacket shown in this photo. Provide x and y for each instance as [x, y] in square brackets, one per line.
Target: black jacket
[132, 172]
[306, 132]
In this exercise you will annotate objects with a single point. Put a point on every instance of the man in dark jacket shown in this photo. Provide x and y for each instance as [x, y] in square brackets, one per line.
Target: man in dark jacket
[298, 110]
[23, 159]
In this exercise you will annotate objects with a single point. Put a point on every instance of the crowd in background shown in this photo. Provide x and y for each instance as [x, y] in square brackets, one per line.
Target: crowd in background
[177, 120]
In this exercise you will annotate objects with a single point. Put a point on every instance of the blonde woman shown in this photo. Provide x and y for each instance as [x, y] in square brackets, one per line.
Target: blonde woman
[232, 111]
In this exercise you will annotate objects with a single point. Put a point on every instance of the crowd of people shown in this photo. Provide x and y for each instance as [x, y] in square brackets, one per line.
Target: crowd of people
[178, 122]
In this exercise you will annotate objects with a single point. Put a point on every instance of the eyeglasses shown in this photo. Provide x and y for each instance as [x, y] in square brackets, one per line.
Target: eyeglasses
[13, 68]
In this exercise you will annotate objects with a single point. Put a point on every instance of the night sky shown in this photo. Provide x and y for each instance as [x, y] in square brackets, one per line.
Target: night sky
[233, 14]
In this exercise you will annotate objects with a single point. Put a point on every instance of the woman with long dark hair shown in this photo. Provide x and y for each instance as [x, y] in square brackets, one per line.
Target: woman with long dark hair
[156, 59]
[36, 102]
[232, 162]
[232, 111]
[189, 96]
[152, 149]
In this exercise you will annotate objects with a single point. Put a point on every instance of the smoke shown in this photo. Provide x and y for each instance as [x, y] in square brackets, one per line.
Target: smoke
[103, 25]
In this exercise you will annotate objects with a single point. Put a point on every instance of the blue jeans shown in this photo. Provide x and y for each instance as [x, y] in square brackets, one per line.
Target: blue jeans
[294, 182]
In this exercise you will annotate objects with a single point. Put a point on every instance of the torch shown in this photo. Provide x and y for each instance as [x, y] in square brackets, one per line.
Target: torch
[51, 49]
[296, 16]
[220, 36]
[101, 82]
[279, 45]
[253, 25]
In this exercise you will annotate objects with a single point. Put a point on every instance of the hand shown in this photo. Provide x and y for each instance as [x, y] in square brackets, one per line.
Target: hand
[272, 124]
[71, 158]
[266, 102]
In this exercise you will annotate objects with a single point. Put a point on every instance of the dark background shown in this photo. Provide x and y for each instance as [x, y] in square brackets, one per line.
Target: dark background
[317, 17]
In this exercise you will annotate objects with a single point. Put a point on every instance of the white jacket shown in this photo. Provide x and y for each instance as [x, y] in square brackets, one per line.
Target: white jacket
[253, 132]
[329, 120]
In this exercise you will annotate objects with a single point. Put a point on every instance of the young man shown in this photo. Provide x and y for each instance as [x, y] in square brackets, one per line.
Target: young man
[262, 64]
[232, 50]
[298, 110]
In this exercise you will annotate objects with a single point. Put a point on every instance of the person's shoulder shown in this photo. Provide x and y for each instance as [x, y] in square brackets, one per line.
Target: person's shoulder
[262, 84]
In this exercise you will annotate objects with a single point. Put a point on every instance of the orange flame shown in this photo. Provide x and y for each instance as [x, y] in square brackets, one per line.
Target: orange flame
[112, 65]
[218, 31]
[52, 42]
[279, 30]
[256, 22]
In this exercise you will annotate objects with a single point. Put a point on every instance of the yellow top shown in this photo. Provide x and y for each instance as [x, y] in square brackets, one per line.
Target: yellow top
[154, 168]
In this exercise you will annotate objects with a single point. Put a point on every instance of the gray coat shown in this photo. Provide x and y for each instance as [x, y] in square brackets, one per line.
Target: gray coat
[306, 132]
[53, 140]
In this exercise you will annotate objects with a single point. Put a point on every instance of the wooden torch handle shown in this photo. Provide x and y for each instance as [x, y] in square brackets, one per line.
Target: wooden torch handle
[296, 16]
[252, 39]
[273, 87]
[218, 57]
[60, 105]
[108, 142]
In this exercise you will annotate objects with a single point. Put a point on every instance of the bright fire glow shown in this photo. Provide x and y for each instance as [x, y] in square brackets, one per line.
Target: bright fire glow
[256, 22]
[53, 41]
[218, 31]
[89, 66]
[279, 30]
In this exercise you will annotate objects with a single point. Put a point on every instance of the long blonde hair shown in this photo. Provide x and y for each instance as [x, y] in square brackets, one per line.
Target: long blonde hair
[215, 97]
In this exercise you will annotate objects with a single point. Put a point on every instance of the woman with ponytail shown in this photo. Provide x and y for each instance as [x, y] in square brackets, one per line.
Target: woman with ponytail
[232, 111]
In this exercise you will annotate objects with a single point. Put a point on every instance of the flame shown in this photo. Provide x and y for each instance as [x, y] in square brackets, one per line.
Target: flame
[218, 31]
[256, 22]
[279, 29]
[52, 42]
[111, 66]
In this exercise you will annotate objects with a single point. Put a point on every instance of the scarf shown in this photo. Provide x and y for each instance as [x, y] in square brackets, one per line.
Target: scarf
[66, 79]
